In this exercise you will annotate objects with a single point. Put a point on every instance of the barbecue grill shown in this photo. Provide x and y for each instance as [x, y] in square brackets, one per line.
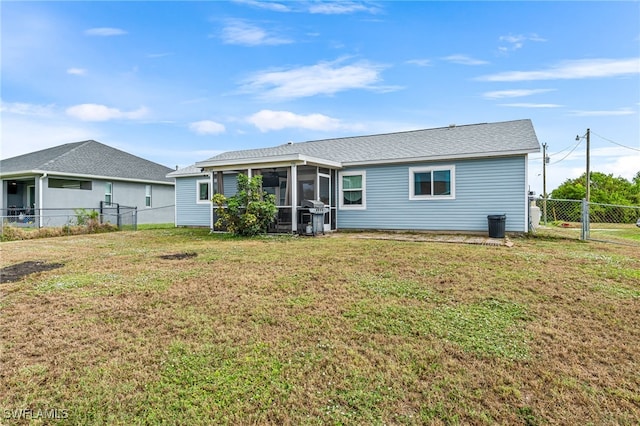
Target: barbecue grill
[311, 217]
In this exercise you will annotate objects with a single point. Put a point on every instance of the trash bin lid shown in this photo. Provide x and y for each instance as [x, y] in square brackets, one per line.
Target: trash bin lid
[497, 217]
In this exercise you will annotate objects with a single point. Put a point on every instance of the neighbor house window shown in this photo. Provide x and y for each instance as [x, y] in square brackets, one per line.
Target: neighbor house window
[147, 196]
[353, 190]
[108, 193]
[427, 183]
[203, 192]
[69, 183]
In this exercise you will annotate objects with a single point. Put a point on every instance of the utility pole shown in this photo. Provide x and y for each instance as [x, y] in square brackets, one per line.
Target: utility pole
[588, 173]
[588, 167]
[545, 161]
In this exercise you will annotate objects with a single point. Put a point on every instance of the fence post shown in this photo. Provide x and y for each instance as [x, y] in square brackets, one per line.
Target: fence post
[584, 232]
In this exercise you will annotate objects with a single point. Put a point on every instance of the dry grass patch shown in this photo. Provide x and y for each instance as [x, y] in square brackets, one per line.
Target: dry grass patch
[284, 330]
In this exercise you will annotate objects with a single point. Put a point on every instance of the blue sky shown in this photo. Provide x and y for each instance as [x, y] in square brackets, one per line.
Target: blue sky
[178, 82]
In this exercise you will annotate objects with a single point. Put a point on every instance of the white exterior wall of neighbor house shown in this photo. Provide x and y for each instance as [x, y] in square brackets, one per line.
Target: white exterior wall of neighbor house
[128, 194]
[479, 191]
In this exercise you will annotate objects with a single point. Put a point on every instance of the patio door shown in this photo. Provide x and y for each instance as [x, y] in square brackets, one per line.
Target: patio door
[324, 194]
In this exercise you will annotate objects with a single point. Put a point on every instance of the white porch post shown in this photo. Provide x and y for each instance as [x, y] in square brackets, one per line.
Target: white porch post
[210, 195]
[294, 197]
[40, 189]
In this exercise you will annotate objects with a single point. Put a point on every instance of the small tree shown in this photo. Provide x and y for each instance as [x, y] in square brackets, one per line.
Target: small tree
[250, 211]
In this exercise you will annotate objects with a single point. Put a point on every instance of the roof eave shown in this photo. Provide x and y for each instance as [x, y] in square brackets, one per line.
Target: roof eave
[173, 175]
[80, 175]
[268, 161]
[438, 158]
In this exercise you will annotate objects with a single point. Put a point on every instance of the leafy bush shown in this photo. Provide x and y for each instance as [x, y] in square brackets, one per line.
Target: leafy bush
[250, 211]
[86, 217]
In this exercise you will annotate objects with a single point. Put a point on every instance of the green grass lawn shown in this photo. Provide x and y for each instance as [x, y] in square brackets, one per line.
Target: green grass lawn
[176, 326]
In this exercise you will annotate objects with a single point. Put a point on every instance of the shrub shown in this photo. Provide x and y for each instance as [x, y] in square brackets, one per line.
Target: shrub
[250, 211]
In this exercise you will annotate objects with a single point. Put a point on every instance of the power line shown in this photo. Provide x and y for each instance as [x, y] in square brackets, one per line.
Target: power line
[616, 143]
[561, 151]
[568, 154]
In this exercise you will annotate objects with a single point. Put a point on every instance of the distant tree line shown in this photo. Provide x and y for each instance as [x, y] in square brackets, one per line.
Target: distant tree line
[605, 189]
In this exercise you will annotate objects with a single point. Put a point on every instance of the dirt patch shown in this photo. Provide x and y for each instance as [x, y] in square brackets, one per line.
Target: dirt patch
[15, 272]
[178, 256]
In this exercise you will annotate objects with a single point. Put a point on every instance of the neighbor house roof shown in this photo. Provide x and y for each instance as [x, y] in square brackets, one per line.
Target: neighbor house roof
[466, 141]
[89, 159]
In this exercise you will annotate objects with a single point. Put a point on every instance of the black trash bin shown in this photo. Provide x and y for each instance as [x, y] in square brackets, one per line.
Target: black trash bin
[497, 225]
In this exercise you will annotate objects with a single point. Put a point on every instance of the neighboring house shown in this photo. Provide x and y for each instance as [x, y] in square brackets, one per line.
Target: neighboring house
[442, 179]
[48, 185]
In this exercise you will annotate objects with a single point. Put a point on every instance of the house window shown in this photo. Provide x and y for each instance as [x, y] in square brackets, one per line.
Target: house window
[69, 183]
[353, 190]
[147, 196]
[203, 192]
[431, 183]
[108, 193]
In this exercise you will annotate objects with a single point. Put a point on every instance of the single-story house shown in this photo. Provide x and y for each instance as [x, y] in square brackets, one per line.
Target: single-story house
[442, 179]
[46, 187]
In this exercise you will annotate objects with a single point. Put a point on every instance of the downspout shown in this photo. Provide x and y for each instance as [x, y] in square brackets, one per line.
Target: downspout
[40, 199]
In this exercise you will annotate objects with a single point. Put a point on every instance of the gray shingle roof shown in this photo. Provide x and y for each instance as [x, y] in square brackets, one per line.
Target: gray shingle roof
[467, 141]
[87, 158]
[191, 170]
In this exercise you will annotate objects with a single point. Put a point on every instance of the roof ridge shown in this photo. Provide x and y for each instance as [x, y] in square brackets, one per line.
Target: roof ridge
[402, 132]
[77, 146]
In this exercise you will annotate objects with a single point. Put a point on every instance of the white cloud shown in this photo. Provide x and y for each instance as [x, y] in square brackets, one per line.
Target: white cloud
[531, 105]
[268, 5]
[516, 93]
[464, 60]
[76, 71]
[339, 8]
[267, 120]
[325, 78]
[105, 31]
[618, 161]
[516, 42]
[603, 113]
[207, 127]
[420, 62]
[244, 33]
[96, 112]
[158, 55]
[21, 134]
[22, 108]
[575, 69]
[316, 7]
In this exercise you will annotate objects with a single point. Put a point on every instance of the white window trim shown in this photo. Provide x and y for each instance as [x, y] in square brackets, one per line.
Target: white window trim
[198, 183]
[108, 192]
[362, 206]
[148, 195]
[452, 175]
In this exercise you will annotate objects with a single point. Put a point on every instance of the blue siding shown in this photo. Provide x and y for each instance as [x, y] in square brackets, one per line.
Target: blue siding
[482, 187]
[188, 211]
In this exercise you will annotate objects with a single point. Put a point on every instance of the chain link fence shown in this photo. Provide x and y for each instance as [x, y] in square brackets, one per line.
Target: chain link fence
[587, 221]
[123, 217]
